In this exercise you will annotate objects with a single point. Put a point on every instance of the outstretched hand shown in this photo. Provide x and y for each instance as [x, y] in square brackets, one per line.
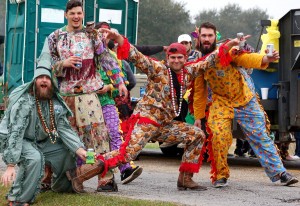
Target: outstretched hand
[109, 34]
[8, 176]
[236, 41]
[267, 59]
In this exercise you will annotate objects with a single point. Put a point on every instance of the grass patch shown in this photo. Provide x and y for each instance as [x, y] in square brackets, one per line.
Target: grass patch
[89, 199]
[151, 145]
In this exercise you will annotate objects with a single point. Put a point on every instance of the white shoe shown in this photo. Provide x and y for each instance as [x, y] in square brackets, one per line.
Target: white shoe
[292, 158]
[181, 145]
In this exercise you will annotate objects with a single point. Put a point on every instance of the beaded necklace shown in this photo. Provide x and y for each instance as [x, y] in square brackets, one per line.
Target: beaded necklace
[52, 133]
[173, 95]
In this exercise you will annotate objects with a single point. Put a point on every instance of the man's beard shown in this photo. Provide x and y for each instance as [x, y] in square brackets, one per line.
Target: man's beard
[208, 50]
[44, 94]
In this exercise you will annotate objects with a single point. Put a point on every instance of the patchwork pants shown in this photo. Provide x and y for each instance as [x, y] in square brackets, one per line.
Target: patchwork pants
[251, 118]
[176, 131]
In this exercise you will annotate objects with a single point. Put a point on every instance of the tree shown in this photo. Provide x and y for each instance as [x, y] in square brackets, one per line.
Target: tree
[232, 19]
[161, 22]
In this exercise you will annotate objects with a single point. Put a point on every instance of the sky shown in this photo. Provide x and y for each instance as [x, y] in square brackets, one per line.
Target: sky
[275, 8]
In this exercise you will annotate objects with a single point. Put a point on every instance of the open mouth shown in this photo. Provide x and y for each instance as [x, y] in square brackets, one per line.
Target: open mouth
[206, 44]
[76, 21]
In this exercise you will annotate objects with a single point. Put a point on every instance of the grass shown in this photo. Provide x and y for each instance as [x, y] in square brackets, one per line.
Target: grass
[151, 145]
[89, 199]
[58, 199]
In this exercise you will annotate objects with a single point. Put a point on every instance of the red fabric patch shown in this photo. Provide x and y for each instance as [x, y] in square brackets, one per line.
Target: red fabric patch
[127, 128]
[224, 56]
[209, 148]
[189, 167]
[123, 51]
[75, 74]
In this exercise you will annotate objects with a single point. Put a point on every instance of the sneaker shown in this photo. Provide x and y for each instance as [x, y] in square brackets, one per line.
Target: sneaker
[130, 174]
[292, 158]
[287, 179]
[220, 183]
[181, 145]
[108, 185]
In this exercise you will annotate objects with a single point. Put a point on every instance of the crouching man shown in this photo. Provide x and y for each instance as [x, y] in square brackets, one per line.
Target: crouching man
[35, 131]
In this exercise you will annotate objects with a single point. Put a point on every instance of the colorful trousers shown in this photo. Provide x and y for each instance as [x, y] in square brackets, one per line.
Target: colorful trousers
[142, 130]
[251, 118]
[88, 121]
[112, 121]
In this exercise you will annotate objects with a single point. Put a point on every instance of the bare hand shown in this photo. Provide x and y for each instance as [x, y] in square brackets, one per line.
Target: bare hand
[109, 34]
[81, 153]
[236, 41]
[197, 123]
[165, 48]
[72, 61]
[104, 90]
[123, 90]
[8, 176]
[275, 56]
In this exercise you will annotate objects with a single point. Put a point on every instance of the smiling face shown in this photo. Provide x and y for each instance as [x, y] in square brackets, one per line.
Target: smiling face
[74, 16]
[176, 62]
[43, 87]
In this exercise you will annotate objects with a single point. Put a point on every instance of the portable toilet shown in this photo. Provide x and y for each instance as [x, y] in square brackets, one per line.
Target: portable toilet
[120, 14]
[28, 23]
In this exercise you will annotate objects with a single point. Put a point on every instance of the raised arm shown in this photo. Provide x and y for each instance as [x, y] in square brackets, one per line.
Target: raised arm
[129, 52]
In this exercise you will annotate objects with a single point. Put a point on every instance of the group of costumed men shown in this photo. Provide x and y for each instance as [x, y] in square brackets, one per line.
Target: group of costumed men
[37, 130]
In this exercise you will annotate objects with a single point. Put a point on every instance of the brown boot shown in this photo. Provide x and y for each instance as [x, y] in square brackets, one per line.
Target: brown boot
[185, 182]
[80, 174]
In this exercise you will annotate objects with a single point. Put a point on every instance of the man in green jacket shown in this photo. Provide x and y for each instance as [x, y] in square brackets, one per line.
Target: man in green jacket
[35, 131]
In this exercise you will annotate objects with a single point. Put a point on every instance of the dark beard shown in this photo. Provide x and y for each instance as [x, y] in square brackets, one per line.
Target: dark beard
[44, 95]
[205, 51]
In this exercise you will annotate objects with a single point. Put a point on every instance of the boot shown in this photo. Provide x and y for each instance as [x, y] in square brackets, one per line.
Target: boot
[185, 182]
[85, 172]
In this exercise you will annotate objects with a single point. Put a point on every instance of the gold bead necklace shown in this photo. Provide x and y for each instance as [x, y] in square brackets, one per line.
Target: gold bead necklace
[52, 132]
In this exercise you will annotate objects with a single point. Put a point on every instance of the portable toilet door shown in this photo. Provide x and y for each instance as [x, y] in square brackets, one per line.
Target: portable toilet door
[51, 17]
[28, 23]
[121, 15]
[14, 44]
